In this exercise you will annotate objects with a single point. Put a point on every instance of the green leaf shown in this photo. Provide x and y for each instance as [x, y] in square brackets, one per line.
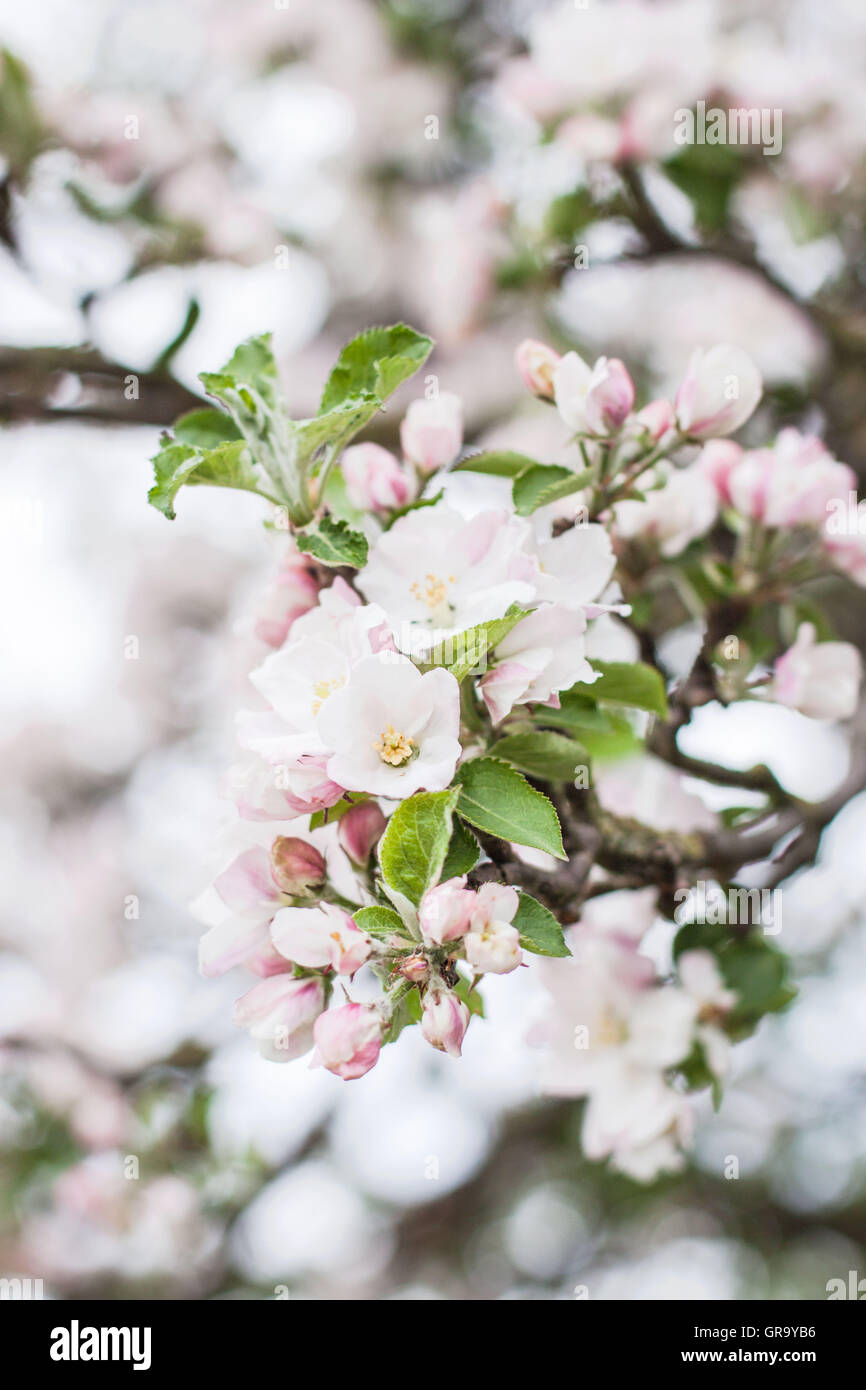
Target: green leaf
[496, 798]
[462, 855]
[250, 373]
[628, 683]
[22, 133]
[334, 428]
[464, 652]
[375, 363]
[539, 930]
[542, 754]
[407, 1012]
[413, 848]
[502, 463]
[205, 428]
[334, 813]
[575, 712]
[544, 483]
[381, 922]
[334, 543]
[228, 465]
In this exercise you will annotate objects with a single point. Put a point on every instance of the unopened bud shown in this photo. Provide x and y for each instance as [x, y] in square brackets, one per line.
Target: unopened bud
[297, 867]
[360, 829]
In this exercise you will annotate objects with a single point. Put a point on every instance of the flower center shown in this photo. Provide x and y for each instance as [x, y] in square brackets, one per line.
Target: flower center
[611, 1031]
[322, 689]
[394, 748]
[433, 593]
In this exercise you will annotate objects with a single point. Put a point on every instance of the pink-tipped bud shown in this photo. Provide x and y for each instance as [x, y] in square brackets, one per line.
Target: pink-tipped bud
[360, 829]
[348, 1040]
[432, 432]
[657, 418]
[415, 968]
[536, 363]
[375, 480]
[297, 867]
[445, 912]
[719, 392]
[444, 1021]
[717, 460]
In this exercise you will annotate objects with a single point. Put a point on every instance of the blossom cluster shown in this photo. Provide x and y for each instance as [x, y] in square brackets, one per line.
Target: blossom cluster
[426, 663]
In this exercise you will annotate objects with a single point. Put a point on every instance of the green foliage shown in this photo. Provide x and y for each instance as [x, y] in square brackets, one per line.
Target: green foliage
[542, 753]
[463, 652]
[334, 543]
[416, 840]
[281, 455]
[496, 798]
[628, 683]
[381, 922]
[539, 930]
[543, 483]
[462, 855]
[749, 965]
[501, 463]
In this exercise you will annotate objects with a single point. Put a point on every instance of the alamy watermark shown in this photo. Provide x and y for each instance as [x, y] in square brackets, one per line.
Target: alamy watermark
[739, 125]
[741, 907]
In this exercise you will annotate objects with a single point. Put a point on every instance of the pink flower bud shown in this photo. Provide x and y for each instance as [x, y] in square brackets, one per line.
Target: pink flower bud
[360, 829]
[432, 432]
[296, 866]
[415, 968]
[293, 592]
[280, 1013]
[375, 480]
[492, 944]
[445, 911]
[719, 392]
[536, 363]
[348, 1040]
[657, 418]
[821, 679]
[318, 937]
[444, 1021]
[791, 484]
[716, 461]
[593, 400]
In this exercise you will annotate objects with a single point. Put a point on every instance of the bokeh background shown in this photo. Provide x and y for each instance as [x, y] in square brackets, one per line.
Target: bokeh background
[174, 178]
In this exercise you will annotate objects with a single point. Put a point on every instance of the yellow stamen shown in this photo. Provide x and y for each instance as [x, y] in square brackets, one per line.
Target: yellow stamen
[322, 689]
[394, 748]
[433, 592]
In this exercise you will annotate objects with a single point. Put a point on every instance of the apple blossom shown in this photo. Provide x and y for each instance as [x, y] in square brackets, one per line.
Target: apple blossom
[657, 419]
[415, 968]
[492, 944]
[248, 888]
[435, 570]
[375, 480]
[541, 655]
[292, 593]
[719, 392]
[360, 829]
[790, 484]
[444, 1020]
[445, 911]
[348, 1040]
[574, 568]
[393, 731]
[717, 460]
[820, 679]
[431, 434]
[280, 1014]
[537, 364]
[593, 400]
[675, 515]
[320, 937]
[296, 866]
